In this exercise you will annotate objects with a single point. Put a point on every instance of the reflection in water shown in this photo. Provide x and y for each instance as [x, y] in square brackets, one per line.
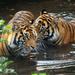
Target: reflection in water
[55, 64]
[56, 57]
[52, 60]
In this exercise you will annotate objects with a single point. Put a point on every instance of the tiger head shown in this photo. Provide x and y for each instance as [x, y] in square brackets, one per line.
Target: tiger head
[45, 25]
[22, 40]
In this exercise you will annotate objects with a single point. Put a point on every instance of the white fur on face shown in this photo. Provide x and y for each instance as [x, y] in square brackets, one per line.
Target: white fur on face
[54, 37]
[10, 41]
[35, 34]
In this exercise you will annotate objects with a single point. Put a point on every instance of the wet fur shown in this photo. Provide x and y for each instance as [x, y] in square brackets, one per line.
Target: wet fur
[22, 37]
[54, 30]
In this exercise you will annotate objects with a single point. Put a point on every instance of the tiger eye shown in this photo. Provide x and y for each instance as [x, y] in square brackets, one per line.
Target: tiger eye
[21, 32]
[22, 25]
[31, 22]
[27, 30]
[39, 21]
[43, 24]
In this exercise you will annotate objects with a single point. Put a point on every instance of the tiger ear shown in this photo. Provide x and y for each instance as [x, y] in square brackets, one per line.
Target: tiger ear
[15, 26]
[43, 12]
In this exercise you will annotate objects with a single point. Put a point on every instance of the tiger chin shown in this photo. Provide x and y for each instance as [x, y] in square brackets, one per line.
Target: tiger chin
[54, 30]
[22, 40]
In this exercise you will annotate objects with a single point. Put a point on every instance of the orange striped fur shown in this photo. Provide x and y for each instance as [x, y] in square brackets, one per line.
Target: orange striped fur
[22, 40]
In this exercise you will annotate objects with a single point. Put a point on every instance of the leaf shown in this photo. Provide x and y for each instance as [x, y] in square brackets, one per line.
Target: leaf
[3, 40]
[8, 71]
[8, 32]
[11, 30]
[3, 28]
[0, 70]
[42, 74]
[8, 27]
[3, 59]
[2, 22]
[4, 31]
[6, 64]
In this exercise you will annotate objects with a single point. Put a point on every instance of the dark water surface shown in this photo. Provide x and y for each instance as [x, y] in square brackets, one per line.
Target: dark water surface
[53, 60]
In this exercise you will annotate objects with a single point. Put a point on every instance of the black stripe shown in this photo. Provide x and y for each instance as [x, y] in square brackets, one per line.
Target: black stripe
[23, 13]
[21, 32]
[49, 20]
[56, 26]
[19, 40]
[20, 22]
[18, 19]
[65, 25]
[69, 30]
[45, 20]
[26, 27]
[49, 16]
[28, 17]
[29, 14]
[57, 42]
[62, 24]
[73, 22]
[46, 30]
[9, 49]
[73, 30]
[3, 51]
[15, 39]
[19, 14]
[52, 33]
[47, 27]
[23, 19]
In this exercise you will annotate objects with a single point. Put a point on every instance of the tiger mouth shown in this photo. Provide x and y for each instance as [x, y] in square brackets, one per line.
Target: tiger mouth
[24, 52]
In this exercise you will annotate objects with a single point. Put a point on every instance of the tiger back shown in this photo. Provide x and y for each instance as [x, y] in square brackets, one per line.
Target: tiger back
[22, 40]
[54, 30]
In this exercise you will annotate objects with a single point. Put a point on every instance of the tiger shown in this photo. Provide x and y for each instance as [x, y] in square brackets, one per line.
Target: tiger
[22, 40]
[54, 30]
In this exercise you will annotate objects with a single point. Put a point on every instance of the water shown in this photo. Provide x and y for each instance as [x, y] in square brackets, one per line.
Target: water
[52, 60]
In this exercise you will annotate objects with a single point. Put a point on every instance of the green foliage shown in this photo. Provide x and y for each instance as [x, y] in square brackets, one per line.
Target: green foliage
[8, 28]
[39, 74]
[35, 74]
[3, 40]
[3, 60]
[42, 74]
[2, 22]
[4, 64]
